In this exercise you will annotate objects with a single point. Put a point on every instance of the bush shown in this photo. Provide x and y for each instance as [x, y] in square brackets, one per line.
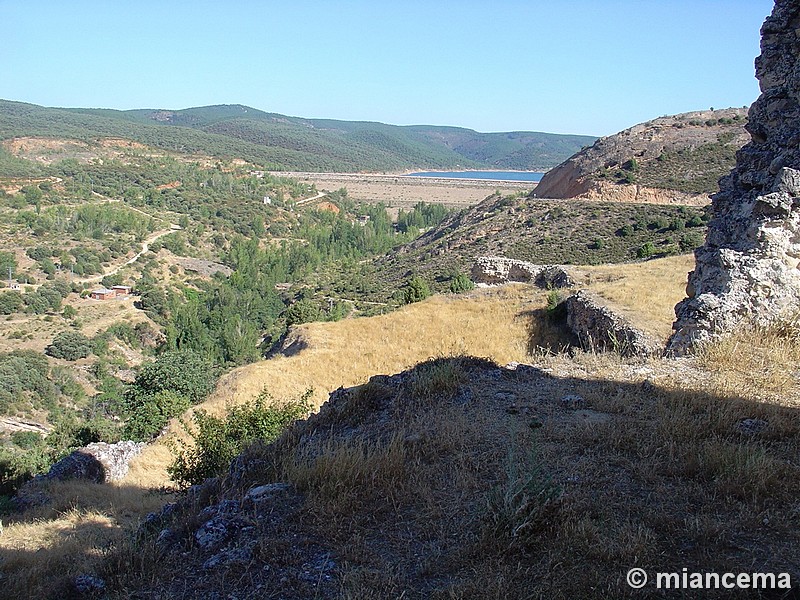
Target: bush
[69, 345]
[302, 311]
[26, 439]
[461, 283]
[215, 441]
[416, 290]
[150, 413]
[625, 230]
[695, 221]
[691, 240]
[646, 250]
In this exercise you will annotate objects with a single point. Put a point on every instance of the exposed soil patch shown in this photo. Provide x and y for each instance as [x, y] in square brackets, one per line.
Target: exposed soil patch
[404, 192]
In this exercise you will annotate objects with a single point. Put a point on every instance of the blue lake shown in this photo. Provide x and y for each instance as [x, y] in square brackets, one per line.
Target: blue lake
[492, 175]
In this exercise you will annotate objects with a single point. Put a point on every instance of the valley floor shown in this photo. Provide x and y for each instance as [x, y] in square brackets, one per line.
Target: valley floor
[404, 192]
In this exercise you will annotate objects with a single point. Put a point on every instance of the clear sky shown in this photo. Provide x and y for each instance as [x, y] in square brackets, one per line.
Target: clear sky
[563, 66]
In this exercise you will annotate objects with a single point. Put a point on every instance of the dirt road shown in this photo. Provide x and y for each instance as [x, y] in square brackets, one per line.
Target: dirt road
[145, 247]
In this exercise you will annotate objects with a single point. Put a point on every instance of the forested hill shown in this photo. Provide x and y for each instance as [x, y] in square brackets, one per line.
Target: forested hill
[279, 142]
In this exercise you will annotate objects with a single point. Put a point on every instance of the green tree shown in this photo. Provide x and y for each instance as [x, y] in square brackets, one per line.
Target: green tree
[8, 262]
[69, 345]
[461, 283]
[302, 311]
[646, 250]
[417, 289]
[182, 371]
[151, 413]
[10, 302]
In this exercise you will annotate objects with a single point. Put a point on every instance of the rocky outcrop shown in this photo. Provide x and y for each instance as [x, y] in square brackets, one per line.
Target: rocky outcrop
[496, 270]
[99, 462]
[748, 268]
[647, 162]
[597, 327]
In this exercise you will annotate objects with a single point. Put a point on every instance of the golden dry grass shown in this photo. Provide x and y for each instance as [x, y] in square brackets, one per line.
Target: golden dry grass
[71, 535]
[645, 292]
[688, 437]
[487, 323]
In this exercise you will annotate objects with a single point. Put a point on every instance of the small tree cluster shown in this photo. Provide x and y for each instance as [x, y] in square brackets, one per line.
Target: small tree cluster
[69, 345]
[216, 441]
[417, 289]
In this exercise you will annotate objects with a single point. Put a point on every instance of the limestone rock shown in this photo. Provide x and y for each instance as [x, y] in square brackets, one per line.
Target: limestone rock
[495, 270]
[599, 328]
[99, 462]
[748, 268]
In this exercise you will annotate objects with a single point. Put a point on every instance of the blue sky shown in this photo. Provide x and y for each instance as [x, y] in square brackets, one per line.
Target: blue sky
[564, 66]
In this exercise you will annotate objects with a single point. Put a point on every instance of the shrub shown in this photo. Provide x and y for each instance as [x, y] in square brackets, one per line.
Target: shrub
[695, 221]
[439, 378]
[625, 230]
[461, 283]
[646, 250]
[302, 311]
[525, 503]
[216, 441]
[690, 241]
[416, 290]
[69, 345]
[148, 414]
[26, 439]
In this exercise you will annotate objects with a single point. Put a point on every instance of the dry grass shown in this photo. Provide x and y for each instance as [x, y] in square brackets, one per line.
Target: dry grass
[346, 353]
[757, 361]
[409, 485]
[495, 488]
[645, 292]
[47, 546]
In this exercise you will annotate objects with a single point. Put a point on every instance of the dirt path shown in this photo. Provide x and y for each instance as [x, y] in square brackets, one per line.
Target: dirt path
[145, 247]
[306, 200]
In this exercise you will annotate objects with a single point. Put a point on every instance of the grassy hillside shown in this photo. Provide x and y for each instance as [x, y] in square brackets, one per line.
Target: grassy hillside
[535, 230]
[551, 480]
[685, 153]
[289, 143]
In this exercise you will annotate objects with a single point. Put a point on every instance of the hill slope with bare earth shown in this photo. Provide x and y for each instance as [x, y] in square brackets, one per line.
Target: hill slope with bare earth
[675, 159]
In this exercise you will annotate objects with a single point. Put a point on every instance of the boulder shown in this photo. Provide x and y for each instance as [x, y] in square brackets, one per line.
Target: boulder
[597, 327]
[98, 462]
[496, 270]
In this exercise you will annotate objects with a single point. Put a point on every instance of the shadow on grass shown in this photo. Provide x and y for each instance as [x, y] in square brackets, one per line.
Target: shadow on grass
[651, 476]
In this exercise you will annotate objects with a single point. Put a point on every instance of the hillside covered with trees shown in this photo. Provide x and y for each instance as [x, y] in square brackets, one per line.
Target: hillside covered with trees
[279, 142]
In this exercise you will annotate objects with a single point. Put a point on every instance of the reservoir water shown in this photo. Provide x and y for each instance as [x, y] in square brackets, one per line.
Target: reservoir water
[489, 175]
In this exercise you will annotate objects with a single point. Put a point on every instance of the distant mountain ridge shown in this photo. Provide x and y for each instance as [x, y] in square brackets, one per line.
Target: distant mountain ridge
[281, 142]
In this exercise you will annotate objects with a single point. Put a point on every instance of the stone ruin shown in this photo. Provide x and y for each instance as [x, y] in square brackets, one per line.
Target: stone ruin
[747, 271]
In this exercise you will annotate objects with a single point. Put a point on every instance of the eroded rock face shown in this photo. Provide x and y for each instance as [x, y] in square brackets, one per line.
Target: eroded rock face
[647, 143]
[98, 462]
[748, 267]
[597, 327]
[496, 270]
